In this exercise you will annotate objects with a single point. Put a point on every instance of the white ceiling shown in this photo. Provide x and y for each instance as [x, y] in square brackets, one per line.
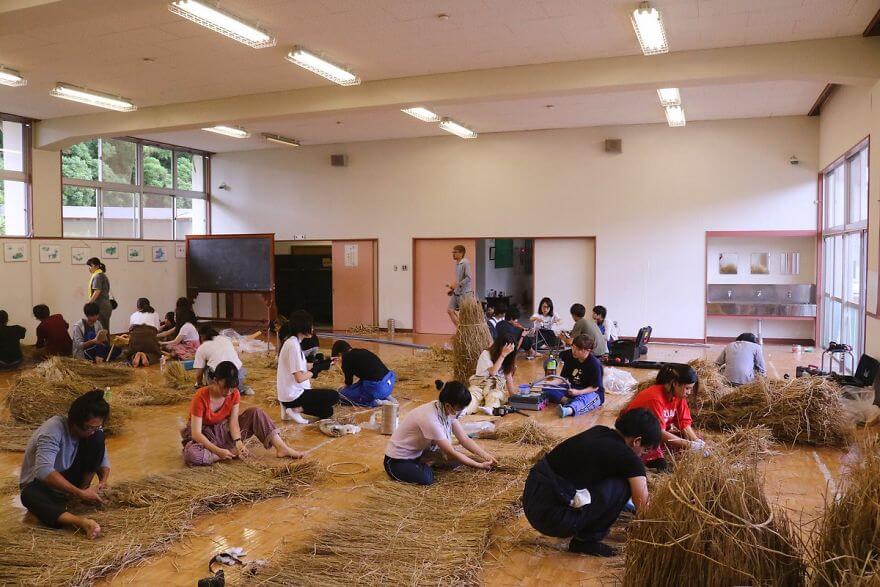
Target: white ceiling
[102, 44]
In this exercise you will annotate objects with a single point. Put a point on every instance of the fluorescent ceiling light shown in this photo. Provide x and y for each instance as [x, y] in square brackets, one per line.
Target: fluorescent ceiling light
[669, 97]
[457, 129]
[235, 132]
[10, 77]
[649, 29]
[281, 140]
[675, 116]
[421, 113]
[225, 23]
[308, 60]
[93, 98]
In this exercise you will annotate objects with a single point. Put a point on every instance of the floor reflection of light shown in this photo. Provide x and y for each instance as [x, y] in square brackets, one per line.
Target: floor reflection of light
[221, 542]
[249, 534]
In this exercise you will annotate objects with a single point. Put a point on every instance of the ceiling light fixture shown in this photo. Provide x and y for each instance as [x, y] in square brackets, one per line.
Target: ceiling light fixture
[235, 132]
[457, 129]
[648, 24]
[220, 21]
[675, 116]
[421, 113]
[669, 97]
[308, 60]
[281, 140]
[92, 98]
[11, 77]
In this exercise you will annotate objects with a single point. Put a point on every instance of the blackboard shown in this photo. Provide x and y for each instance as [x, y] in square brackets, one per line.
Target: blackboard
[239, 263]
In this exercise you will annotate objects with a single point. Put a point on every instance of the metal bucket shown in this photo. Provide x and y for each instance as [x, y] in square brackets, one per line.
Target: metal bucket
[389, 418]
[391, 325]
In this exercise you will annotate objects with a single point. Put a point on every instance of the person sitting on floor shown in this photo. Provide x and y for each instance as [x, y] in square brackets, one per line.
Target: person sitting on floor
[510, 326]
[53, 338]
[667, 400]
[185, 344]
[90, 340]
[145, 314]
[295, 376]
[62, 458]
[375, 380]
[498, 313]
[183, 308]
[429, 428]
[608, 329]
[213, 350]
[545, 325]
[490, 386]
[584, 373]
[167, 327]
[10, 343]
[581, 487]
[143, 347]
[216, 431]
[742, 359]
[583, 325]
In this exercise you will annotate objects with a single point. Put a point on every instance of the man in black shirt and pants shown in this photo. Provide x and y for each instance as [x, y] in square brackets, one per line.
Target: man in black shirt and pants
[375, 381]
[579, 489]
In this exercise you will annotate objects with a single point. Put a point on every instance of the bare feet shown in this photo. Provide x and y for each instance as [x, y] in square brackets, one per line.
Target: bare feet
[90, 527]
[288, 453]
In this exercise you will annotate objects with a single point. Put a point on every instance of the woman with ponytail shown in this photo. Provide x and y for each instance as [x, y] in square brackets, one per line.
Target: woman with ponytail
[145, 315]
[429, 429]
[99, 291]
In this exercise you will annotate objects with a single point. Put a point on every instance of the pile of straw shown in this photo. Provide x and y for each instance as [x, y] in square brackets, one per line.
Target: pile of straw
[526, 431]
[177, 377]
[147, 393]
[709, 523]
[848, 538]
[804, 410]
[143, 518]
[361, 329]
[66, 369]
[405, 534]
[713, 385]
[471, 338]
[755, 442]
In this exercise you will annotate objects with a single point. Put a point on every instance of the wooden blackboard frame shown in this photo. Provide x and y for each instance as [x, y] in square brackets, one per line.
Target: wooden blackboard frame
[269, 236]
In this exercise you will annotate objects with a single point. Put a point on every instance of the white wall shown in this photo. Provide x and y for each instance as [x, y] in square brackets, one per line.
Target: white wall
[576, 284]
[513, 281]
[62, 286]
[649, 207]
[774, 246]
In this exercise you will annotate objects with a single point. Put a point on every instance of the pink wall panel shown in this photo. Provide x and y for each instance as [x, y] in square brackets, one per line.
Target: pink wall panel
[354, 299]
[434, 267]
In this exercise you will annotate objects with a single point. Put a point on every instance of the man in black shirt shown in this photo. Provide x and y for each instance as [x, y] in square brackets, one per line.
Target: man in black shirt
[584, 372]
[375, 381]
[579, 489]
[10, 343]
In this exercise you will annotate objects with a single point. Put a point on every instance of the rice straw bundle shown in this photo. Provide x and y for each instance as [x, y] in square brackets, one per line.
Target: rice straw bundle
[526, 431]
[147, 393]
[143, 518]
[804, 410]
[471, 338]
[709, 523]
[62, 369]
[361, 329]
[755, 442]
[177, 377]
[848, 535]
[392, 538]
[713, 385]
[14, 437]
[440, 354]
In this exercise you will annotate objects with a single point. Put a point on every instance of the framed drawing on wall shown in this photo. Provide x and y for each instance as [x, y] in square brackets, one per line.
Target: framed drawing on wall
[15, 252]
[135, 253]
[180, 250]
[78, 255]
[110, 250]
[160, 254]
[50, 254]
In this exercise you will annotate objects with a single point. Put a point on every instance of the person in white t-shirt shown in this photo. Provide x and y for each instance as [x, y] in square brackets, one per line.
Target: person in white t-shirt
[145, 315]
[492, 382]
[213, 350]
[546, 326]
[186, 343]
[428, 428]
[295, 376]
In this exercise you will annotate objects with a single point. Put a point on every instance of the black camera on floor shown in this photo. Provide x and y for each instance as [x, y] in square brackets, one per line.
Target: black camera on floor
[319, 363]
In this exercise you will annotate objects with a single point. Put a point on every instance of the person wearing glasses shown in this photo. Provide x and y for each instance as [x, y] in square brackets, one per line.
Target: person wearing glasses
[62, 459]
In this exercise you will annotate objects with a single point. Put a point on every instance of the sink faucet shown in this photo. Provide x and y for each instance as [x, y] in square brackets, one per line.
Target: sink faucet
[789, 294]
[758, 293]
[729, 294]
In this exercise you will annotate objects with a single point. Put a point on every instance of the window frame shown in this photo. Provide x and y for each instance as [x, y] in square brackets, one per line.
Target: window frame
[144, 190]
[26, 175]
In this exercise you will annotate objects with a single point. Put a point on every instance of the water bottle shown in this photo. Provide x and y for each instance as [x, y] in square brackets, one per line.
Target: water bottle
[107, 393]
[550, 366]
[162, 362]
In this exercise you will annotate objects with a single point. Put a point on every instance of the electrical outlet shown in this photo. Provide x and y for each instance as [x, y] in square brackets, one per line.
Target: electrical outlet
[395, 267]
[299, 237]
[404, 267]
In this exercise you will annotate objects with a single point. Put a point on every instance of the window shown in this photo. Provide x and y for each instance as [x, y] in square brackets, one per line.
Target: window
[844, 251]
[14, 177]
[125, 188]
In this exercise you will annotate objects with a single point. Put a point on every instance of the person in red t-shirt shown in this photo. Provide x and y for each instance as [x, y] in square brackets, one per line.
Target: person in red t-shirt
[216, 431]
[667, 400]
[53, 336]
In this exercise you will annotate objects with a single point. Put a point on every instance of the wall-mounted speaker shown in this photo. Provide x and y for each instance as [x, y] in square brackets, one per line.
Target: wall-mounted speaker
[339, 160]
[614, 145]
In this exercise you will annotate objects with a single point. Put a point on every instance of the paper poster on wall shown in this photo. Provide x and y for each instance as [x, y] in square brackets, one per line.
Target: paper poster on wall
[15, 252]
[160, 254]
[78, 255]
[180, 251]
[135, 253]
[110, 250]
[50, 254]
[871, 295]
[351, 255]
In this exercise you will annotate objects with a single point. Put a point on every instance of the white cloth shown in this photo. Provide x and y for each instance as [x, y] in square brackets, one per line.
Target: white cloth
[484, 363]
[213, 352]
[419, 430]
[551, 322]
[148, 318]
[188, 333]
[291, 360]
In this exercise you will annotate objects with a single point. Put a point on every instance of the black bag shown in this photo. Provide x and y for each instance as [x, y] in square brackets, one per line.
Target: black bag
[623, 352]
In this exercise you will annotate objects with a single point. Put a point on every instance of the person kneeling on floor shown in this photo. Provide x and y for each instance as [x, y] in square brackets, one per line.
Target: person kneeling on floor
[429, 428]
[213, 350]
[584, 373]
[491, 383]
[62, 458]
[375, 380]
[580, 488]
[216, 431]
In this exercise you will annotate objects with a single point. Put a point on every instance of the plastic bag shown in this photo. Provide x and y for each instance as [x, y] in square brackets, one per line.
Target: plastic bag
[478, 429]
[858, 402]
[618, 381]
[245, 344]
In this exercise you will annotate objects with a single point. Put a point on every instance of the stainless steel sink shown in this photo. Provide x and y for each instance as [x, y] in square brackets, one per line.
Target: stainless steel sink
[760, 309]
[784, 301]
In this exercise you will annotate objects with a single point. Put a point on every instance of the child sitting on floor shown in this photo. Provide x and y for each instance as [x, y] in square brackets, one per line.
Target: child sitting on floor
[584, 373]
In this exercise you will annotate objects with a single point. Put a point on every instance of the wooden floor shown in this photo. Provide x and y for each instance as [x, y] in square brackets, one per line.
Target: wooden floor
[797, 478]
